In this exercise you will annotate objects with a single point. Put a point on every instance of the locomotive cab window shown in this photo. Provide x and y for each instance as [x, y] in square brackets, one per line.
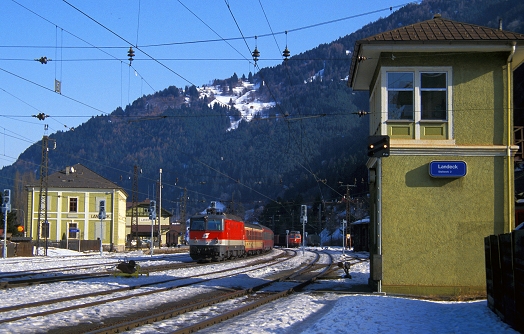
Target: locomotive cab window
[214, 225]
[197, 225]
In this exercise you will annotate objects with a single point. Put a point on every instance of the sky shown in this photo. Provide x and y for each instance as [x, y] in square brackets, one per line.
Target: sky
[176, 42]
[311, 311]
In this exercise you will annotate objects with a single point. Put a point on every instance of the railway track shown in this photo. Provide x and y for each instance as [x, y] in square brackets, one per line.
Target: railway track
[17, 279]
[21, 312]
[206, 310]
[174, 299]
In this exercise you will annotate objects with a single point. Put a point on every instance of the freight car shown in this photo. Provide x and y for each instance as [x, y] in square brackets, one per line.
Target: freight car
[216, 236]
[313, 240]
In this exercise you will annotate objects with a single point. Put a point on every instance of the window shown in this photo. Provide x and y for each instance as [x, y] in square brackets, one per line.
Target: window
[433, 95]
[198, 225]
[73, 204]
[417, 95]
[73, 227]
[400, 95]
[214, 225]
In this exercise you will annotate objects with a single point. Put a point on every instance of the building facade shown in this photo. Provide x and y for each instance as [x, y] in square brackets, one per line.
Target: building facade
[144, 228]
[442, 92]
[73, 204]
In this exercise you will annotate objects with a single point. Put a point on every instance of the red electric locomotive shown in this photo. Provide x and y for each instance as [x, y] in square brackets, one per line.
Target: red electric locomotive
[216, 236]
[294, 239]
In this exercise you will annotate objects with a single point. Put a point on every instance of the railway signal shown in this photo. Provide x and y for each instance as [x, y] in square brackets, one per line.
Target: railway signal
[102, 210]
[378, 146]
[303, 218]
[152, 210]
[101, 216]
[152, 216]
[6, 208]
[6, 201]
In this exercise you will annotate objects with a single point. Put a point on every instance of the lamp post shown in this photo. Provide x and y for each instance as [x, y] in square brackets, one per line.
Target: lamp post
[344, 224]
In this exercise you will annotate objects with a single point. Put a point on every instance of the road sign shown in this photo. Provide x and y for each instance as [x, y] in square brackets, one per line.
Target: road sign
[74, 230]
[447, 168]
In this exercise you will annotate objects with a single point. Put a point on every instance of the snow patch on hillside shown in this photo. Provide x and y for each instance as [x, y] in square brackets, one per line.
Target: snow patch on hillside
[241, 98]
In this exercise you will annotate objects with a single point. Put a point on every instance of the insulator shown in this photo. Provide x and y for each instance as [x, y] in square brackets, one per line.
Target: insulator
[286, 53]
[41, 116]
[130, 54]
[43, 60]
[255, 54]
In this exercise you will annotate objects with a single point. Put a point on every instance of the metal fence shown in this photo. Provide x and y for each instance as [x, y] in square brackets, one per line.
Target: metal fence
[505, 277]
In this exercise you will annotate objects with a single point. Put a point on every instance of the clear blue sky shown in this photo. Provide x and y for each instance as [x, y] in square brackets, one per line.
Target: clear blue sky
[88, 41]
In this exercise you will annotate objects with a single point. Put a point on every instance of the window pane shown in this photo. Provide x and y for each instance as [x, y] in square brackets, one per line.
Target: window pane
[400, 105]
[197, 225]
[433, 104]
[214, 225]
[72, 235]
[433, 80]
[400, 80]
[73, 204]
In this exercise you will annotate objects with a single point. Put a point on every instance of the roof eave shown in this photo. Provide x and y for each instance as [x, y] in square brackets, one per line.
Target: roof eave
[362, 71]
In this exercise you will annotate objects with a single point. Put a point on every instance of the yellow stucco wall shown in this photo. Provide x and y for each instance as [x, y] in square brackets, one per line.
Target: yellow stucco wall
[86, 216]
[433, 228]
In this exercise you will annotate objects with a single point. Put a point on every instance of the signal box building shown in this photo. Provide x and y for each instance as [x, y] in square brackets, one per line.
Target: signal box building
[73, 198]
[442, 92]
[141, 229]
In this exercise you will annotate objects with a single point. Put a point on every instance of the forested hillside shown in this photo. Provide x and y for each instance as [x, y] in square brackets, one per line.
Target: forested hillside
[301, 152]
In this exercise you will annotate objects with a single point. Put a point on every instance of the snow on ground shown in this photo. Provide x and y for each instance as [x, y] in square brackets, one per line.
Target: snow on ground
[315, 310]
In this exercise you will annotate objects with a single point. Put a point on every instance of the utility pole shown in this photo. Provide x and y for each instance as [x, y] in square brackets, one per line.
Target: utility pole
[134, 205]
[42, 204]
[159, 211]
[183, 213]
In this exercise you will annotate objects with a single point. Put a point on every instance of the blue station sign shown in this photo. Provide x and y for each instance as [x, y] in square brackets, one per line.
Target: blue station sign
[447, 168]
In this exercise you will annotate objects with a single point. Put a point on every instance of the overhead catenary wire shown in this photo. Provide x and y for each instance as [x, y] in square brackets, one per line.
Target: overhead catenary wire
[137, 43]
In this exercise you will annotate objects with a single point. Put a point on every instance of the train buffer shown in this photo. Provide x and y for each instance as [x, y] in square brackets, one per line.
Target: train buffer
[129, 269]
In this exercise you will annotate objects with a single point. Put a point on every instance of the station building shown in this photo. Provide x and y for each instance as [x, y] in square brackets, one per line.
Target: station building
[73, 199]
[441, 91]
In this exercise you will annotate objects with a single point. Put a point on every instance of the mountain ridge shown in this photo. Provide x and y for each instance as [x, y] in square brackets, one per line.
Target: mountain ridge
[298, 147]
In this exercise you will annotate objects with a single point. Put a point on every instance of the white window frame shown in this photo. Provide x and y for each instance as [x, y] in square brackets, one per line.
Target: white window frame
[69, 204]
[417, 116]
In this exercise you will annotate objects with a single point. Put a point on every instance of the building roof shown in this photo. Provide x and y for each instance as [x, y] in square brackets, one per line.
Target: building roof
[435, 35]
[145, 204]
[440, 29]
[79, 176]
